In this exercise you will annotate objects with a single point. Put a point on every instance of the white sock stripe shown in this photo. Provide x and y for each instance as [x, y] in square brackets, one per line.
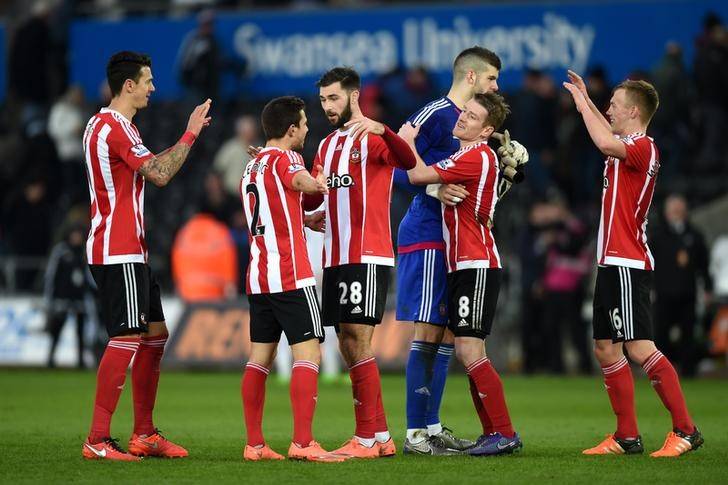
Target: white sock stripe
[361, 362]
[307, 364]
[127, 286]
[123, 342]
[430, 349]
[258, 367]
[477, 363]
[447, 351]
[158, 343]
[652, 360]
[123, 346]
[615, 367]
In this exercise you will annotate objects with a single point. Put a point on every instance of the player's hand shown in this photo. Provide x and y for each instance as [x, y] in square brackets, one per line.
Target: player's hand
[321, 182]
[316, 221]
[577, 81]
[408, 132]
[579, 98]
[198, 118]
[511, 148]
[360, 124]
[253, 151]
[452, 194]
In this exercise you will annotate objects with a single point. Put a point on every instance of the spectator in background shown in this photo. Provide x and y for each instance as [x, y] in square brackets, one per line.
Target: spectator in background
[204, 259]
[232, 157]
[218, 202]
[568, 262]
[404, 91]
[68, 289]
[28, 218]
[671, 123]
[532, 250]
[199, 59]
[711, 78]
[533, 122]
[66, 123]
[681, 259]
[29, 60]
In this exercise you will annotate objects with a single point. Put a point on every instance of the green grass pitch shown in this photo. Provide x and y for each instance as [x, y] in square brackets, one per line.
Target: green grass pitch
[44, 417]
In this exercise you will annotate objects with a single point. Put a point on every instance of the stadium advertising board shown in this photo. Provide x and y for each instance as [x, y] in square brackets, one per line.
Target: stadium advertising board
[217, 335]
[285, 52]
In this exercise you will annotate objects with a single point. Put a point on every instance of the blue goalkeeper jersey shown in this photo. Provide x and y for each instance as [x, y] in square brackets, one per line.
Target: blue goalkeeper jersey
[423, 222]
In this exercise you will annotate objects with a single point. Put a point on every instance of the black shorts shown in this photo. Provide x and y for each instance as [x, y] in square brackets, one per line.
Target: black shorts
[296, 313]
[472, 295]
[622, 304]
[355, 293]
[128, 298]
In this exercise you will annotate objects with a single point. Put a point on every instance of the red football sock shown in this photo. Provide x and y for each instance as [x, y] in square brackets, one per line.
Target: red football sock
[253, 392]
[365, 387]
[620, 388]
[381, 419]
[303, 391]
[482, 414]
[490, 392]
[145, 380]
[667, 385]
[109, 384]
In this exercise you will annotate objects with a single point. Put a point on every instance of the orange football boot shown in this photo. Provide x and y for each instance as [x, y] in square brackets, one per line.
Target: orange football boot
[313, 452]
[615, 446]
[355, 449]
[387, 448]
[108, 449]
[678, 443]
[252, 453]
[155, 445]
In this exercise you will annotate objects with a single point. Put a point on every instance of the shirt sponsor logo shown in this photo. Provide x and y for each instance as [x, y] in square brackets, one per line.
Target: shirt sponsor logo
[140, 150]
[336, 181]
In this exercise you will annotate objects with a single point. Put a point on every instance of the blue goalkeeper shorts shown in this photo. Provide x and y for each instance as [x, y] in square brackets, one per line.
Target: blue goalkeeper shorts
[422, 287]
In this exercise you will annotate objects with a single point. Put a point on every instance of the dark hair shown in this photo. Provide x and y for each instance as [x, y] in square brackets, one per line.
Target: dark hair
[125, 65]
[474, 58]
[279, 114]
[347, 76]
[644, 95]
[496, 106]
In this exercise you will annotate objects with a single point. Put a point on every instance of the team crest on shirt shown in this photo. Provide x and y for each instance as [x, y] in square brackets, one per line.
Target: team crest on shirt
[355, 156]
[140, 150]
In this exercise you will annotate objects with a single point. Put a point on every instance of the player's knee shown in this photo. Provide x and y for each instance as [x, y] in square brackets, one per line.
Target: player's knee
[426, 332]
[469, 351]
[606, 352]
[309, 351]
[640, 350]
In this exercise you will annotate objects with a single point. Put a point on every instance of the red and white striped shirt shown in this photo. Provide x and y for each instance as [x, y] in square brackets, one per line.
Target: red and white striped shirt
[628, 188]
[469, 242]
[273, 211]
[114, 152]
[359, 175]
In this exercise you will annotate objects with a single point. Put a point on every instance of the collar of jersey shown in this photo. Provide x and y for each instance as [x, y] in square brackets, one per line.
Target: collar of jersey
[109, 110]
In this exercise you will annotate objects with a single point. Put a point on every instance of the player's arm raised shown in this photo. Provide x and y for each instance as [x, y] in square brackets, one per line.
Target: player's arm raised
[600, 134]
[401, 154]
[162, 167]
[577, 81]
[420, 174]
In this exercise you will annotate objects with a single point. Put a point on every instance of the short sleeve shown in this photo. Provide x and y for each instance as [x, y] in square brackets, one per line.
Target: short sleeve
[287, 166]
[640, 153]
[464, 169]
[128, 146]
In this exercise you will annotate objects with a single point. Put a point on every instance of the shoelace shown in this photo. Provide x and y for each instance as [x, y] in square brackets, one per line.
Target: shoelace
[114, 444]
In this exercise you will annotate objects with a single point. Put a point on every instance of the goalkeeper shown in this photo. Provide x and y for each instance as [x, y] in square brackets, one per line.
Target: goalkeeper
[421, 270]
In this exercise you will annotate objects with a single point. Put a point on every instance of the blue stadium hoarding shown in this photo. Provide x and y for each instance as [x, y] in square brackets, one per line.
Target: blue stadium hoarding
[286, 51]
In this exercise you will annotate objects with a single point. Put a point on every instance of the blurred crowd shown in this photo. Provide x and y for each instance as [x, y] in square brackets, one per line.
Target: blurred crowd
[546, 226]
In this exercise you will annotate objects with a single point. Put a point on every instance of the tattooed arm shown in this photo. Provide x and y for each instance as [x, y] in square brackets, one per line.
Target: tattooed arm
[162, 167]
